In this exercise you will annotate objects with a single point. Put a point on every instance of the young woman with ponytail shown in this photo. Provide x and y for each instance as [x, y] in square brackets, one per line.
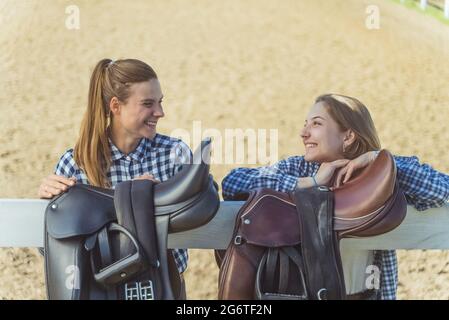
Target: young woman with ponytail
[340, 138]
[118, 139]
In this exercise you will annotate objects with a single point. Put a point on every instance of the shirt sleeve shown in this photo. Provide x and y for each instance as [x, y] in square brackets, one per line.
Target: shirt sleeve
[282, 176]
[423, 186]
[67, 167]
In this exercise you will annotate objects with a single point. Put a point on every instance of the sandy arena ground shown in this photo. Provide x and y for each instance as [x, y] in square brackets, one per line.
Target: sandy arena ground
[233, 64]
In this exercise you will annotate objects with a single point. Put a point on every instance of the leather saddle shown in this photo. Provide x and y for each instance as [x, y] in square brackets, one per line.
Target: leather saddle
[98, 239]
[286, 245]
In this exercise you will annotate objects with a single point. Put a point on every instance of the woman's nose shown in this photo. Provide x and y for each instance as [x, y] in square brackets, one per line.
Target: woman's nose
[304, 133]
[159, 112]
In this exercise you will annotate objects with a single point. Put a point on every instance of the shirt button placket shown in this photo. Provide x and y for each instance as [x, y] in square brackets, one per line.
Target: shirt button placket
[128, 167]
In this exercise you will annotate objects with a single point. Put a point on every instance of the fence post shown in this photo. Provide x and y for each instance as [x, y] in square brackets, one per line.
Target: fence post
[423, 4]
[446, 9]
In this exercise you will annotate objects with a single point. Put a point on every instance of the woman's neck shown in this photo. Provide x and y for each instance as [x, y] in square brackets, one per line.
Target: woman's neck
[122, 141]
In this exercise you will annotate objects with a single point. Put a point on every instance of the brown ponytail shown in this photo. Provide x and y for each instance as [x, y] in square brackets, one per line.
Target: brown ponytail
[109, 79]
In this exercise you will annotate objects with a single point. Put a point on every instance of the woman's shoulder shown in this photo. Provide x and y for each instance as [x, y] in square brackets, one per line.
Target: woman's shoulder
[66, 164]
[67, 157]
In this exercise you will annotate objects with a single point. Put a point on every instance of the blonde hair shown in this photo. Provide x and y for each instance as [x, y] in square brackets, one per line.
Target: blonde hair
[109, 79]
[350, 113]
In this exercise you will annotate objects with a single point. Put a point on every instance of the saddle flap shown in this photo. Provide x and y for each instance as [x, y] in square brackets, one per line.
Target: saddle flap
[270, 221]
[85, 211]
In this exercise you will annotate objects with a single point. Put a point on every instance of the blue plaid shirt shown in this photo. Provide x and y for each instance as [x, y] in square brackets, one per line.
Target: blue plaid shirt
[161, 157]
[423, 187]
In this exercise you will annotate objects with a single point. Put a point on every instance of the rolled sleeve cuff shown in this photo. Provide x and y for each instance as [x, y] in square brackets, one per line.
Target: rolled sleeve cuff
[289, 183]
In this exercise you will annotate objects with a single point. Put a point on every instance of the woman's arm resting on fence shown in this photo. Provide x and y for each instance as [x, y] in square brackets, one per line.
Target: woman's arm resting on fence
[423, 186]
[281, 176]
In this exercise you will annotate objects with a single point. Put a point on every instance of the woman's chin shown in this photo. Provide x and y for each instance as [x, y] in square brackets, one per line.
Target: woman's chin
[308, 157]
[311, 157]
[149, 134]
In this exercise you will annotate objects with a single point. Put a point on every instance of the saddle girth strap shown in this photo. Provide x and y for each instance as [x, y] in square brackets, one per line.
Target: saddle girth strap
[162, 223]
[319, 244]
[135, 211]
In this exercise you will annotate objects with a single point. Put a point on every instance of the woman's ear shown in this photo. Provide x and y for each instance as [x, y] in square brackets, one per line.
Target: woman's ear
[114, 106]
[349, 138]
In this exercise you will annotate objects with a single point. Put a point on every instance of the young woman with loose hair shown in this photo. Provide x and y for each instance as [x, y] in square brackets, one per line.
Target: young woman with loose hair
[118, 139]
[340, 137]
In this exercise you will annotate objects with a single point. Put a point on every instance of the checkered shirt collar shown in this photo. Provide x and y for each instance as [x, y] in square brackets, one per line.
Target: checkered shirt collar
[138, 153]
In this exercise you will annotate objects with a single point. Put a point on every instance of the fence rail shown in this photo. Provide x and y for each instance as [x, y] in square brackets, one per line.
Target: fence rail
[22, 225]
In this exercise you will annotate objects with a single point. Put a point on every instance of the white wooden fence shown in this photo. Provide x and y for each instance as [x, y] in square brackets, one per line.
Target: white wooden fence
[439, 4]
[22, 225]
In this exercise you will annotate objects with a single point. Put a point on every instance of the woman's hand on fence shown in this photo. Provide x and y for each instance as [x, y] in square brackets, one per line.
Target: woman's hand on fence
[53, 185]
[327, 170]
[147, 177]
[346, 172]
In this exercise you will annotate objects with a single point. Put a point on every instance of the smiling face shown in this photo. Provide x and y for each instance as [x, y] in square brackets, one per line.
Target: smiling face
[322, 137]
[138, 116]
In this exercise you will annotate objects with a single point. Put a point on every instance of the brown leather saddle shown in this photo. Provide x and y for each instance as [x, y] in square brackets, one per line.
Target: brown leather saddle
[286, 245]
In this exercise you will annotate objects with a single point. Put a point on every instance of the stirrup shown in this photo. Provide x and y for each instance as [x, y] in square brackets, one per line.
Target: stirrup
[121, 270]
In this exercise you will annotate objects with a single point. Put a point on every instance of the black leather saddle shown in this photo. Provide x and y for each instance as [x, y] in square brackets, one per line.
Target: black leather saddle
[97, 239]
